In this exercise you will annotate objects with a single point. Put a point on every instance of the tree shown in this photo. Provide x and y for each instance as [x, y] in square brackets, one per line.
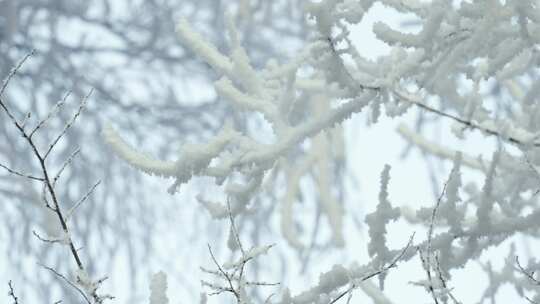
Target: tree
[111, 47]
[468, 63]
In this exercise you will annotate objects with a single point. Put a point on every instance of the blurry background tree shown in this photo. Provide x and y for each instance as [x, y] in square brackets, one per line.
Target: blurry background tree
[142, 77]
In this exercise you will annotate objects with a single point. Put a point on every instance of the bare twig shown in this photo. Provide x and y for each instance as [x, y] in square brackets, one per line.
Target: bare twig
[46, 240]
[72, 210]
[467, 123]
[426, 258]
[70, 123]
[427, 268]
[80, 291]
[236, 278]
[268, 298]
[533, 169]
[49, 184]
[52, 112]
[426, 262]
[233, 228]
[43, 166]
[237, 273]
[21, 174]
[529, 275]
[443, 281]
[530, 300]
[11, 293]
[44, 198]
[224, 274]
[26, 119]
[13, 72]
[65, 164]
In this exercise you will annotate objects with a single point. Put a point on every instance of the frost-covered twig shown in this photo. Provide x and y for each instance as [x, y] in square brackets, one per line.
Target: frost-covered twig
[233, 273]
[20, 173]
[466, 123]
[44, 169]
[235, 280]
[383, 270]
[534, 170]
[426, 258]
[51, 113]
[82, 200]
[12, 73]
[66, 164]
[60, 240]
[74, 285]
[430, 286]
[444, 281]
[528, 274]
[69, 123]
[513, 136]
[48, 183]
[229, 279]
[438, 150]
[530, 277]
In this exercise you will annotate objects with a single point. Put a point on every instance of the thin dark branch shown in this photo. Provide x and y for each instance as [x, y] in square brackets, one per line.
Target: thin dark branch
[268, 298]
[13, 72]
[233, 229]
[466, 123]
[49, 185]
[434, 213]
[217, 289]
[225, 274]
[530, 300]
[82, 200]
[46, 240]
[26, 119]
[20, 173]
[51, 113]
[533, 169]
[65, 164]
[427, 267]
[67, 281]
[528, 274]
[44, 169]
[233, 277]
[11, 293]
[70, 123]
[443, 281]
[426, 261]
[378, 272]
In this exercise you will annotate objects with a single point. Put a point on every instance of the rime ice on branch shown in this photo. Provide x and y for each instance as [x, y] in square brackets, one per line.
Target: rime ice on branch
[272, 92]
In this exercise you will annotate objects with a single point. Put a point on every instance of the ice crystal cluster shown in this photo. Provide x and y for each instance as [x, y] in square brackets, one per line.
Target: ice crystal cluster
[471, 63]
[158, 289]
